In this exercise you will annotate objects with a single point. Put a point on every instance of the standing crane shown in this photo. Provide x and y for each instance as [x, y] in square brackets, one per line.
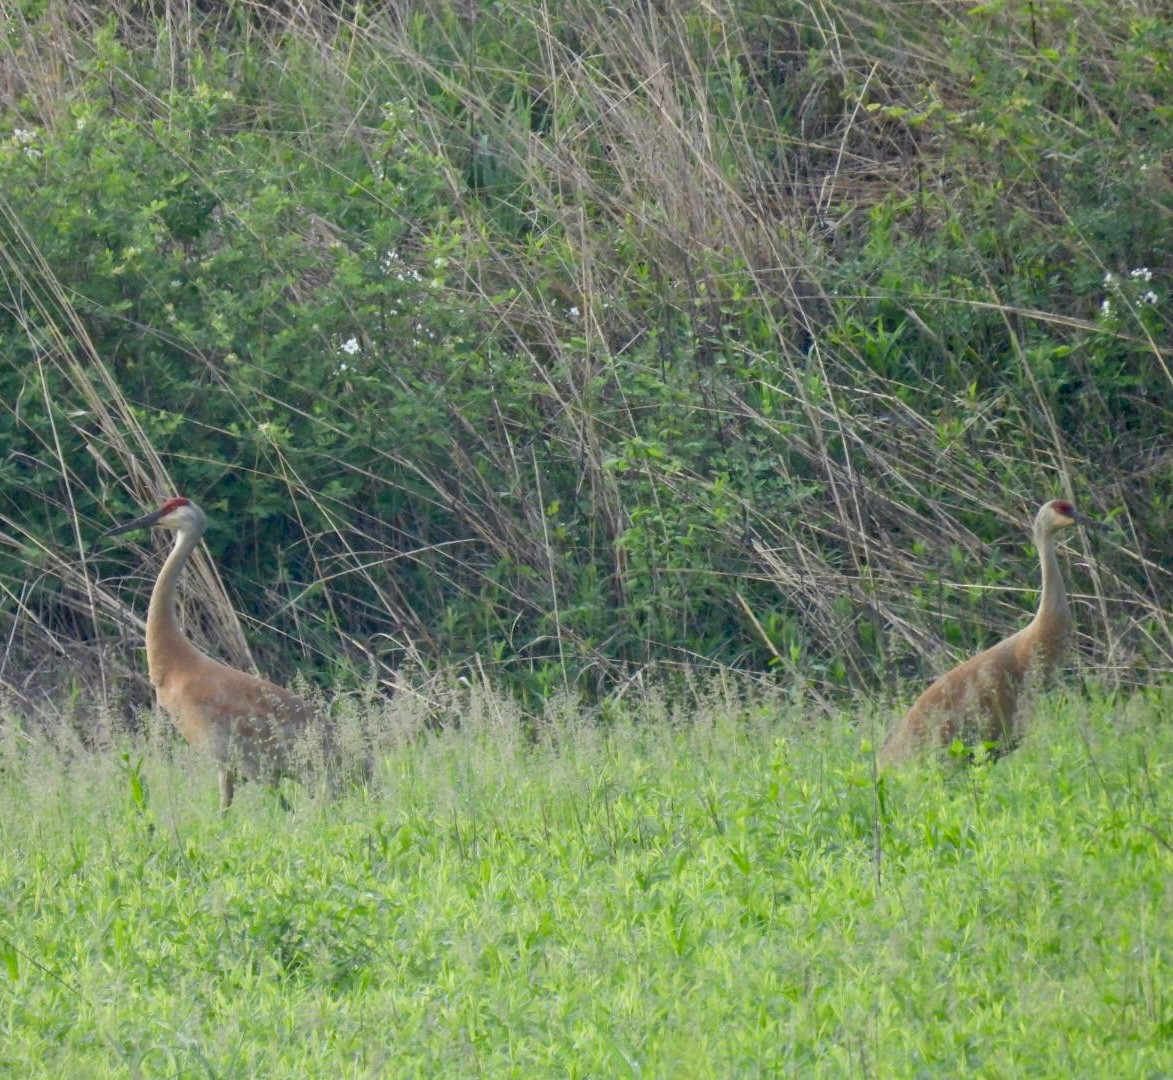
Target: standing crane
[242, 722]
[981, 700]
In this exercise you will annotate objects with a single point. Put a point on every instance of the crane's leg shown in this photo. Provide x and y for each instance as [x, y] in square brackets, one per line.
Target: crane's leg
[227, 785]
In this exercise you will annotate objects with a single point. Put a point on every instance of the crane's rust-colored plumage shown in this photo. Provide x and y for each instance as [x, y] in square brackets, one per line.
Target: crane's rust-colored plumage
[981, 701]
[246, 724]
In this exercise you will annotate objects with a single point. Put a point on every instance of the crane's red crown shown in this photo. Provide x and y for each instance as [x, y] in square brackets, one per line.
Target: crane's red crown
[174, 504]
[1059, 506]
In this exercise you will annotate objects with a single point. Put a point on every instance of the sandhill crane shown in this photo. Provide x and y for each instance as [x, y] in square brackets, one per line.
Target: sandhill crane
[981, 700]
[243, 722]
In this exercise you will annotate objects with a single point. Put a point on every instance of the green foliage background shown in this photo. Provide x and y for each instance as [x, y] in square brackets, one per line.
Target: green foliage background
[558, 340]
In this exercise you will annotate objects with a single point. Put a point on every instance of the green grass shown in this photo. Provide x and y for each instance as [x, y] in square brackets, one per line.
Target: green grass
[716, 891]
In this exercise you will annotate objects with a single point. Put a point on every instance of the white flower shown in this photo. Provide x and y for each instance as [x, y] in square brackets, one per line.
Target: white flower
[1142, 273]
[351, 346]
[1150, 297]
[24, 138]
[572, 311]
[1106, 308]
[1109, 278]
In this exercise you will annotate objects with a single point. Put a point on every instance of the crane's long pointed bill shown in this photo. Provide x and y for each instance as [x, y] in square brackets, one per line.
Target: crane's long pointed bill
[1088, 522]
[138, 523]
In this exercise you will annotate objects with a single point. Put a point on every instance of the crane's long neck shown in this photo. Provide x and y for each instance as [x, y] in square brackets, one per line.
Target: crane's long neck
[167, 645]
[1053, 620]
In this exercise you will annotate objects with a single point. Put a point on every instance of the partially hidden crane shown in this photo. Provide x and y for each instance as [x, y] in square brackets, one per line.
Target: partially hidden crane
[981, 701]
[244, 723]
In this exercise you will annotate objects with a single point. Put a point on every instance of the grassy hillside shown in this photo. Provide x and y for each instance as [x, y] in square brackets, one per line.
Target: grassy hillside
[697, 890]
[556, 341]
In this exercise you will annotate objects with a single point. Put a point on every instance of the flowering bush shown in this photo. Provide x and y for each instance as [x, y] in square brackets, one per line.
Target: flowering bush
[565, 348]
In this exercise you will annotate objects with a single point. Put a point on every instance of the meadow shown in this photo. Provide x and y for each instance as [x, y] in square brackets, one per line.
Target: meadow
[711, 887]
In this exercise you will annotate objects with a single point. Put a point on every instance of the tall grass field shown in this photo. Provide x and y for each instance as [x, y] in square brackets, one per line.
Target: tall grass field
[719, 888]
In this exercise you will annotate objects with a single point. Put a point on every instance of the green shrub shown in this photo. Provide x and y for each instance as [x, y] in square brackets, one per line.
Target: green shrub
[572, 340]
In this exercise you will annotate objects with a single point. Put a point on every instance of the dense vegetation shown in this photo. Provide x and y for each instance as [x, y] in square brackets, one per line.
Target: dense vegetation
[568, 339]
[558, 340]
[602, 410]
[705, 894]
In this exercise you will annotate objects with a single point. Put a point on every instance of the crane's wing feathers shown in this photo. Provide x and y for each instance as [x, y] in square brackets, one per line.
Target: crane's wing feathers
[239, 719]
